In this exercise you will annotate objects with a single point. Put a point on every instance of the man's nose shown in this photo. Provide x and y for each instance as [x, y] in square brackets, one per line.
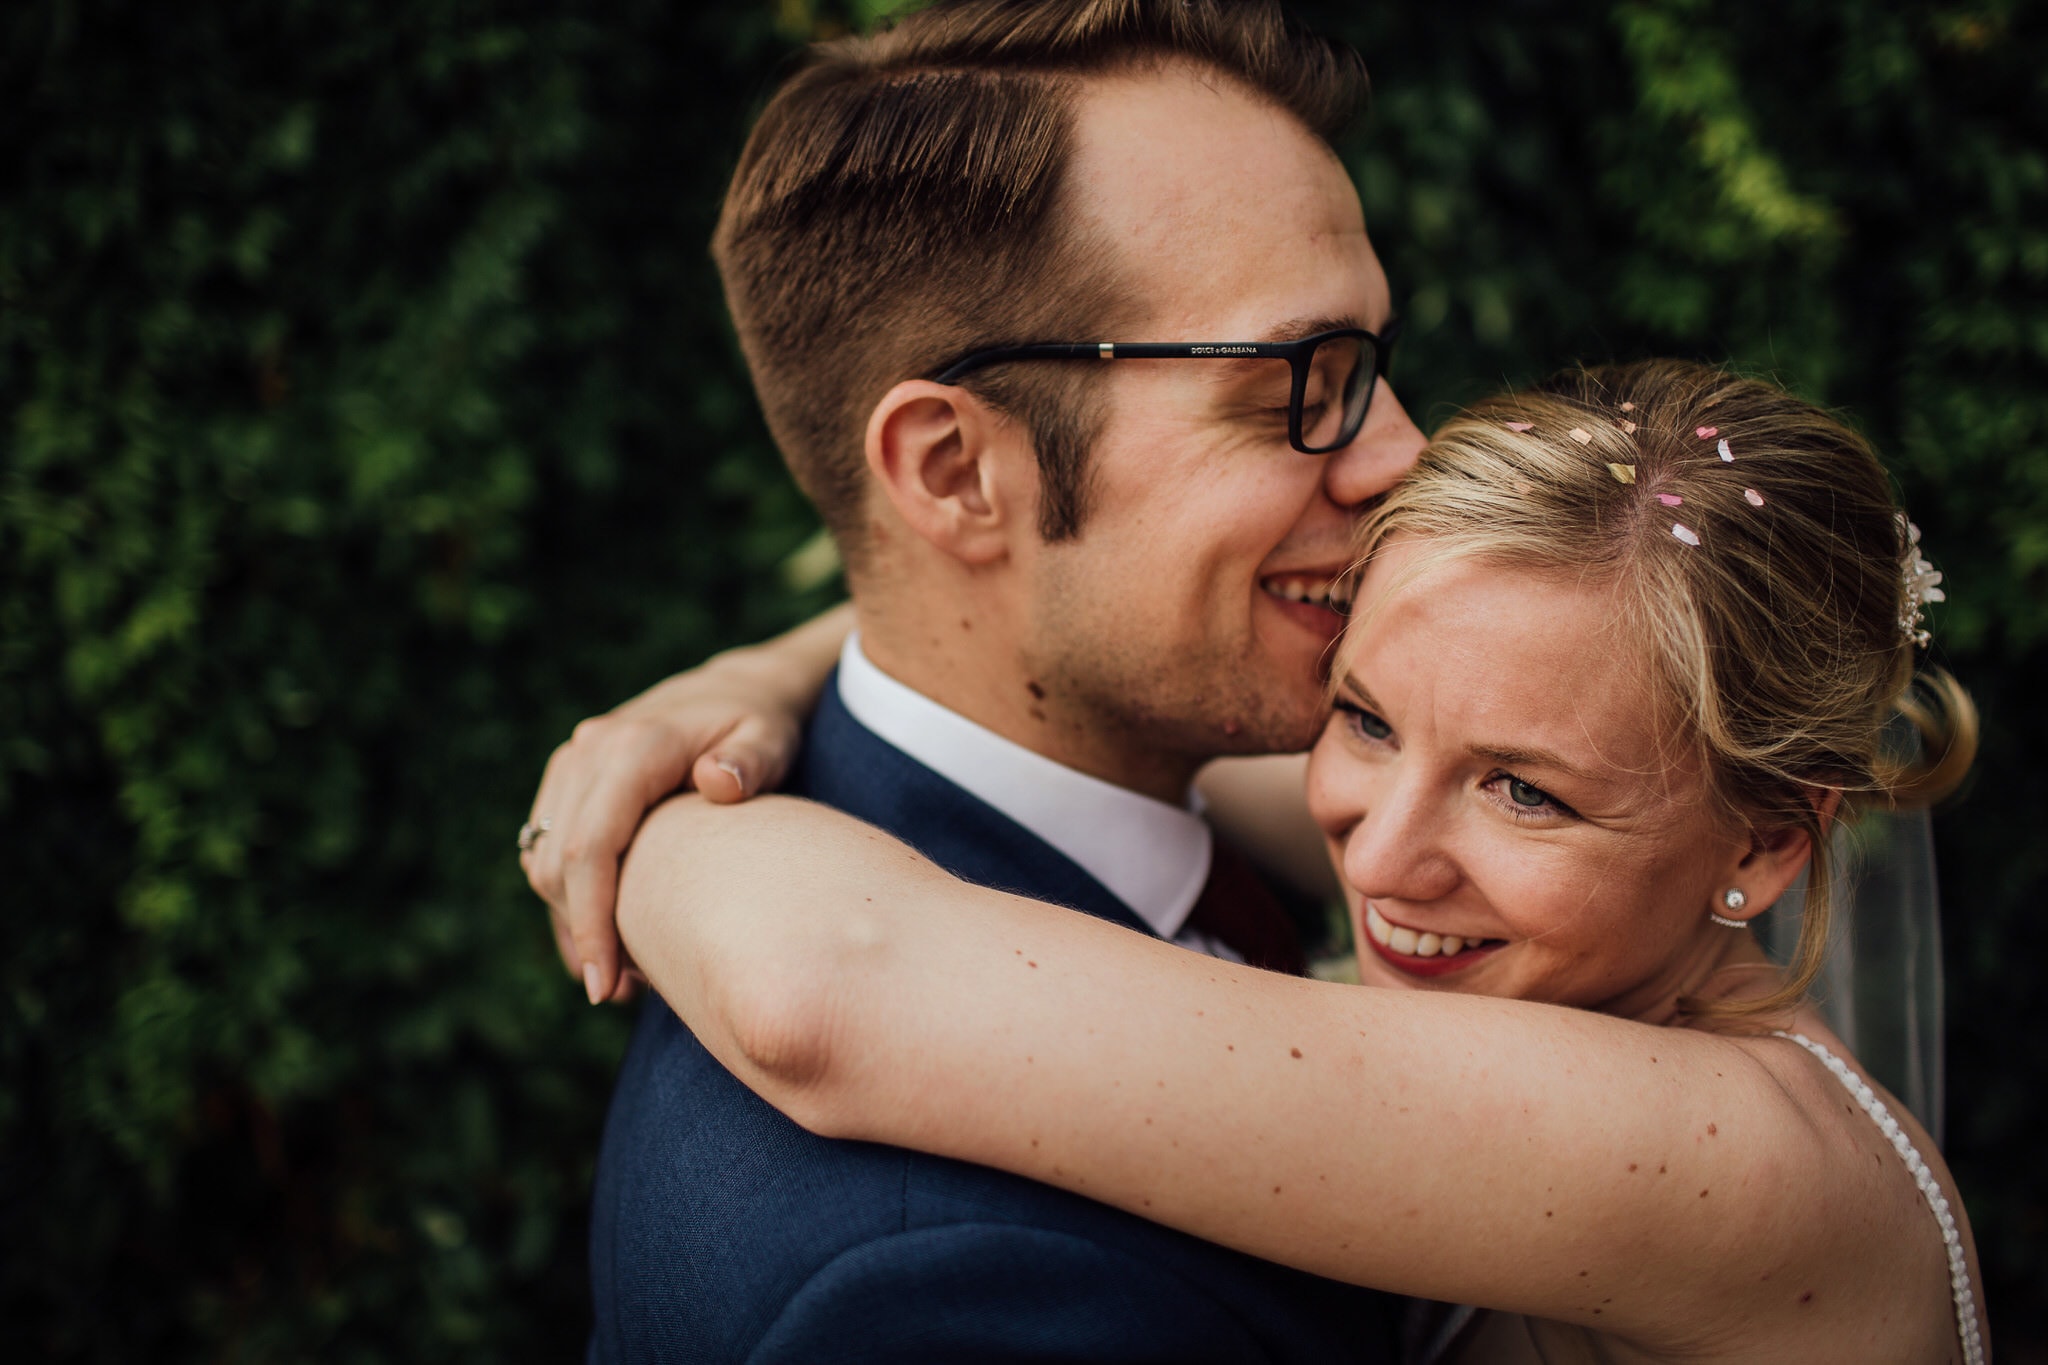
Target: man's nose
[1384, 449]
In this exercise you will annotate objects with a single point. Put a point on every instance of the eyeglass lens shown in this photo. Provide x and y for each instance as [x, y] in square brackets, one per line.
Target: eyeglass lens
[1340, 383]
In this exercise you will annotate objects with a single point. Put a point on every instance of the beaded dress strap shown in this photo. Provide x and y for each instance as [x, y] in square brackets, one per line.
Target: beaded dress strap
[1930, 1189]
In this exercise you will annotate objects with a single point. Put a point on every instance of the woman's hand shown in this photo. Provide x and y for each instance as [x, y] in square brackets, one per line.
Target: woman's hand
[728, 729]
[1262, 804]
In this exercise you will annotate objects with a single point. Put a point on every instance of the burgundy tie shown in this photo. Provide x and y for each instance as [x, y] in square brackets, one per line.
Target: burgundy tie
[1236, 908]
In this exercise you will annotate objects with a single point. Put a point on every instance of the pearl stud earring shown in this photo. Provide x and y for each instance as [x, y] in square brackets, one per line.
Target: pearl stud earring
[1734, 900]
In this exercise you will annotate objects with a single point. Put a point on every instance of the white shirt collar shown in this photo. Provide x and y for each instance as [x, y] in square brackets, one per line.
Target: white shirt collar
[1152, 856]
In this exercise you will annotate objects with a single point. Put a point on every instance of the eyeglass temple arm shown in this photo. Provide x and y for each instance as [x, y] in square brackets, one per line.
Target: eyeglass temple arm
[1047, 350]
[1113, 350]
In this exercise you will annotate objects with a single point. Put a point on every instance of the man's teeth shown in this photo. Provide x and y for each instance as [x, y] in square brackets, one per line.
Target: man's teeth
[1333, 593]
[1408, 943]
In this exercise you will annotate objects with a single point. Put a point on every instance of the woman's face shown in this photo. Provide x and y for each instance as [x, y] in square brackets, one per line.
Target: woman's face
[1500, 801]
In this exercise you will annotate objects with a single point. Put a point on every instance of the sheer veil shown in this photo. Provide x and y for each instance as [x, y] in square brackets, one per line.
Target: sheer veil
[1881, 988]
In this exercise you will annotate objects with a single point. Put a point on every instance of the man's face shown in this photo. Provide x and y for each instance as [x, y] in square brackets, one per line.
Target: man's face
[1177, 614]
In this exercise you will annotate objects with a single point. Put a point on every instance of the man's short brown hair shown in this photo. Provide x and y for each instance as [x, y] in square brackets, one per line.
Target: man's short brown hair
[899, 204]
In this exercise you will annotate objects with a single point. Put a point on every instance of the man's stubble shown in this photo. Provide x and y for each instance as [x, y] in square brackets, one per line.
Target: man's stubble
[1145, 691]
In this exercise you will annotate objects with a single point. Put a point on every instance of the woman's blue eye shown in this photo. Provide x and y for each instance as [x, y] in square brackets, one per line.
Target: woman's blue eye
[1530, 800]
[1367, 724]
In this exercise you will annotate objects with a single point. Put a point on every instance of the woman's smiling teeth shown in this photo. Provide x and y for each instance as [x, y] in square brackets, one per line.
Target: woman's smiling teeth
[1408, 943]
[1334, 593]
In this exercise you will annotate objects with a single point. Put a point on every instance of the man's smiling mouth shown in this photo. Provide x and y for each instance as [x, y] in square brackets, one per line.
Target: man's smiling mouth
[1328, 591]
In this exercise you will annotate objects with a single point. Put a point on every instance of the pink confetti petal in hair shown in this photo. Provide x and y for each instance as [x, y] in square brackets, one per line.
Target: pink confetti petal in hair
[1706, 433]
[1628, 428]
[1628, 407]
[1684, 533]
[1670, 499]
[1727, 455]
[1581, 435]
[1518, 426]
[1752, 497]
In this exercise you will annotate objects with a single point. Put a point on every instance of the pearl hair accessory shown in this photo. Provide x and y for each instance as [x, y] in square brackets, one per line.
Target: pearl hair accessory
[1922, 583]
[1930, 1190]
[1734, 900]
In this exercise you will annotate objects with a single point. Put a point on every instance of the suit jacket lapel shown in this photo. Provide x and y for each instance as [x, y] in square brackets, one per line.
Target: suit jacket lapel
[846, 765]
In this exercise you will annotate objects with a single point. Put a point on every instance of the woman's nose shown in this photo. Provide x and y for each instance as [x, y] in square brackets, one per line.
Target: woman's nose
[1396, 852]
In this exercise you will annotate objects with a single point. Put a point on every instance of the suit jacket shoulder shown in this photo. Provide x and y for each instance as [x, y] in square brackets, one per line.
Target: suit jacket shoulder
[721, 1231]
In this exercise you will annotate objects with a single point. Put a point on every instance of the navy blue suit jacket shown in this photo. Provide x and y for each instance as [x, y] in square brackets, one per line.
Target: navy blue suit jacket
[721, 1231]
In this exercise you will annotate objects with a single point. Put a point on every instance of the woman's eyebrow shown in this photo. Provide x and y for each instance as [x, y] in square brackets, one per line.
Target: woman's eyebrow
[1511, 756]
[1354, 690]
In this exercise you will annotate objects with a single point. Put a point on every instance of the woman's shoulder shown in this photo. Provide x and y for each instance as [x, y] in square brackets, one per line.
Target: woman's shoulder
[1875, 1157]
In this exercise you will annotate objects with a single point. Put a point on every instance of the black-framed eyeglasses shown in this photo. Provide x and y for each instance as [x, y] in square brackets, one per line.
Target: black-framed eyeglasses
[1335, 373]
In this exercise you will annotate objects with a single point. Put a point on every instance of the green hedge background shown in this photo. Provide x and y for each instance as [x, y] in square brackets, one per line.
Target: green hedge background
[370, 416]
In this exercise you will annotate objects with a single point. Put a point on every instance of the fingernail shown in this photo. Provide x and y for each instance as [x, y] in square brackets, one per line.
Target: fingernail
[726, 765]
[590, 983]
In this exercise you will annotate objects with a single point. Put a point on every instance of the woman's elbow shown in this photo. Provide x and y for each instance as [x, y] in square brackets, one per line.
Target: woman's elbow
[785, 1044]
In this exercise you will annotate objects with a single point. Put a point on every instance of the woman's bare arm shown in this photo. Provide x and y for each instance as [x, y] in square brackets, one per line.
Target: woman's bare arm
[1545, 1160]
[728, 728]
[1261, 804]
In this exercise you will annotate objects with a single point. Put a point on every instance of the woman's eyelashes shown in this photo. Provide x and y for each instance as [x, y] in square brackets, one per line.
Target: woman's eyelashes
[1363, 722]
[1526, 800]
[1521, 799]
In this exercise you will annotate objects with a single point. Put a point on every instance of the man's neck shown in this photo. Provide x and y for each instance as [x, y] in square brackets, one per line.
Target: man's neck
[981, 677]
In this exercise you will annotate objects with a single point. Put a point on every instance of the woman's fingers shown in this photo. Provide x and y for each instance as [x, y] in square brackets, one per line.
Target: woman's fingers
[593, 885]
[599, 785]
[565, 942]
[629, 765]
[541, 860]
[749, 759]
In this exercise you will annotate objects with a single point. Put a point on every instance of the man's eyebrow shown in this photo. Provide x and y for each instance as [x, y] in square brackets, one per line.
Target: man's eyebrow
[1294, 329]
[1516, 757]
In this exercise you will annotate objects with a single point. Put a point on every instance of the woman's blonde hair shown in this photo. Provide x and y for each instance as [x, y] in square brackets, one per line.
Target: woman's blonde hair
[1770, 599]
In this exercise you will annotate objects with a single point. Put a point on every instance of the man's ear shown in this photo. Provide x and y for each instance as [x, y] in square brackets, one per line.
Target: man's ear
[1777, 857]
[949, 465]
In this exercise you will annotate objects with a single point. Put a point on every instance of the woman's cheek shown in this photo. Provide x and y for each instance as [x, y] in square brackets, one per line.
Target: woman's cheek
[1333, 802]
